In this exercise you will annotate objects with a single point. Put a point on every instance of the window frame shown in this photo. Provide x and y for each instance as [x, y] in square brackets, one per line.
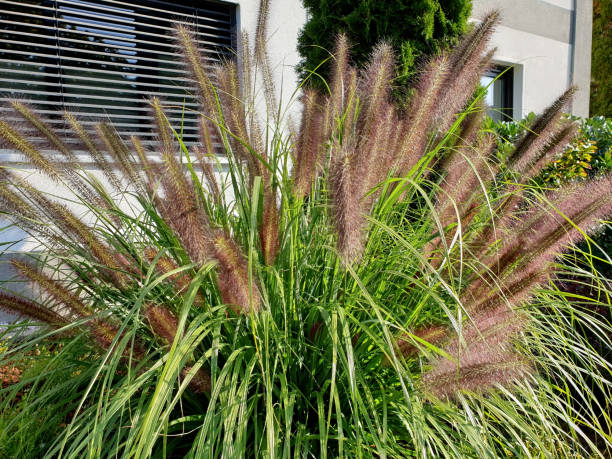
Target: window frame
[503, 76]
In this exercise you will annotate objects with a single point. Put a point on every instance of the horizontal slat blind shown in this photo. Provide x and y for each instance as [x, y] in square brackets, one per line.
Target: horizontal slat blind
[103, 59]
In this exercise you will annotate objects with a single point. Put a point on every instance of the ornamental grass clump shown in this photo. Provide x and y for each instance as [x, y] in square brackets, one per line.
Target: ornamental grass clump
[371, 283]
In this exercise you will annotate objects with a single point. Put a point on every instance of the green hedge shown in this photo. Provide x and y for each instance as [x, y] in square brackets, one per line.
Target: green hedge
[414, 28]
[601, 64]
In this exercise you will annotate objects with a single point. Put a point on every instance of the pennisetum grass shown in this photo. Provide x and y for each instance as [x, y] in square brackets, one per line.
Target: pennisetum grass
[375, 284]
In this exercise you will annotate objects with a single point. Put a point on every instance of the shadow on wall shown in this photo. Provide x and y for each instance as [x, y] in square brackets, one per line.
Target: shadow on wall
[13, 244]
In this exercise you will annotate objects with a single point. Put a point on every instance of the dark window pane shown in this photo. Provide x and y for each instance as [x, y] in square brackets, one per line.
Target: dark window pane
[499, 97]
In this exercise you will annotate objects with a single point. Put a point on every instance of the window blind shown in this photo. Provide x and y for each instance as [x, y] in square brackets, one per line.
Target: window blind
[103, 59]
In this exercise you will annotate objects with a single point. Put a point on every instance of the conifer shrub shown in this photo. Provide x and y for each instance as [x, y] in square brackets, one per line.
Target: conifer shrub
[366, 285]
[415, 29]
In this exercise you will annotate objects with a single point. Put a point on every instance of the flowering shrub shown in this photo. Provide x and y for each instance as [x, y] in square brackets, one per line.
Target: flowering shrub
[573, 164]
[587, 155]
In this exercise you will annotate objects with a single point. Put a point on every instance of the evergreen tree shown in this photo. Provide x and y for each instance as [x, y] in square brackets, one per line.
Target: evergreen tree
[413, 27]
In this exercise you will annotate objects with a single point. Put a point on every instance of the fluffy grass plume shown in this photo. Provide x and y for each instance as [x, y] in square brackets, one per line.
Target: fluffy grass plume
[375, 284]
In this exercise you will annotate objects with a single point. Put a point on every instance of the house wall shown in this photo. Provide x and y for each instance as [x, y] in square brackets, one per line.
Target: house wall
[537, 36]
[284, 24]
[285, 21]
[549, 43]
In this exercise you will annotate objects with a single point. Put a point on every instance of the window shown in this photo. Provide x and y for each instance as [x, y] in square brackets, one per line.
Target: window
[500, 93]
[102, 59]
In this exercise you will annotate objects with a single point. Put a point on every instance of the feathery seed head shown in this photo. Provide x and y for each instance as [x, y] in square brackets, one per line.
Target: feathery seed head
[268, 232]
[485, 354]
[508, 368]
[180, 205]
[207, 134]
[121, 154]
[351, 101]
[529, 149]
[165, 136]
[347, 204]
[11, 202]
[30, 309]
[371, 165]
[14, 140]
[338, 80]
[41, 126]
[418, 125]
[555, 145]
[309, 144]
[54, 288]
[475, 42]
[195, 65]
[262, 60]
[232, 276]
[162, 321]
[546, 233]
[375, 85]
[467, 62]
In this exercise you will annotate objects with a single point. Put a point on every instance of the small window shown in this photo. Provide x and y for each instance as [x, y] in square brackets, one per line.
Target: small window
[102, 59]
[499, 97]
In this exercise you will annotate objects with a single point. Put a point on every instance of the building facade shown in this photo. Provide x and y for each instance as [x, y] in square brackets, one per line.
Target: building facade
[547, 45]
[104, 58]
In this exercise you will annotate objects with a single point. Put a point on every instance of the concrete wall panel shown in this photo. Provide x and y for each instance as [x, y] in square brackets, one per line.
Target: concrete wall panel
[545, 66]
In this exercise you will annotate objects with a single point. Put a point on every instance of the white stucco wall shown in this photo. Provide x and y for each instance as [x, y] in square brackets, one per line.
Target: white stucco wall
[542, 70]
[567, 4]
[286, 19]
[550, 42]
